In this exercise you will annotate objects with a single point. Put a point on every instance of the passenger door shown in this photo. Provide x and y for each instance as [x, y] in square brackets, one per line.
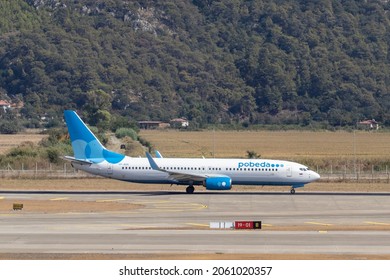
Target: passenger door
[288, 171]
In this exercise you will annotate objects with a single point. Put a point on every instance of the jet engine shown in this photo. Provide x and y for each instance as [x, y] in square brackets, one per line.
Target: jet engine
[218, 183]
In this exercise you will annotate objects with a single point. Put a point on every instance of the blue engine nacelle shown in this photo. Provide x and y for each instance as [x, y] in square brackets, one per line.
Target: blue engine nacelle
[218, 183]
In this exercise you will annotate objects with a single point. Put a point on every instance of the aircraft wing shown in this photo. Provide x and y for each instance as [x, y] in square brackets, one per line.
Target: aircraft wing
[178, 176]
[183, 177]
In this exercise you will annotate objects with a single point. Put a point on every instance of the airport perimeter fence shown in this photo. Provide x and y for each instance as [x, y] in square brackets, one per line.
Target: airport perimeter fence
[43, 172]
[355, 174]
[345, 174]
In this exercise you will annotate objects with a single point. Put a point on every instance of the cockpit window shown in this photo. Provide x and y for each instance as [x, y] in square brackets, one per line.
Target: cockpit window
[304, 169]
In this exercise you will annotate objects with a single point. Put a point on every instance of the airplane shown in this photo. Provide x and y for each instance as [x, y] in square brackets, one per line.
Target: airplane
[214, 174]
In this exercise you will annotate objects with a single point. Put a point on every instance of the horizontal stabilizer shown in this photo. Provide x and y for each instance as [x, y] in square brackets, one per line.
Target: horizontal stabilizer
[79, 161]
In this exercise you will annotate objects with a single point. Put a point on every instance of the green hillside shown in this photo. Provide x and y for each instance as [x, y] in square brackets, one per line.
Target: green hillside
[299, 62]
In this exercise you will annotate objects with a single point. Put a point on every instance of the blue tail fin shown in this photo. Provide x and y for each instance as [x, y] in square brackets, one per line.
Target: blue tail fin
[85, 144]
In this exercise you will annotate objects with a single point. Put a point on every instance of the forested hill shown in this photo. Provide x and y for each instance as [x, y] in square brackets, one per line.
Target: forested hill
[251, 62]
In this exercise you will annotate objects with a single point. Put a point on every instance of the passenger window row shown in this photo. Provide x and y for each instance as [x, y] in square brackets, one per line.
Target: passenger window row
[200, 168]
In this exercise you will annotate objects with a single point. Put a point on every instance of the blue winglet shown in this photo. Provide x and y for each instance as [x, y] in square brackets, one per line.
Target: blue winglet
[152, 163]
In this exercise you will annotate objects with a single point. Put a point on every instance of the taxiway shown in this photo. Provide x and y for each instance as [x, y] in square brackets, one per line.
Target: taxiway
[174, 222]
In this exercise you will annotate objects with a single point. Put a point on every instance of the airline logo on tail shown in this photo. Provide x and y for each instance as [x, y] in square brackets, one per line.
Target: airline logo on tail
[84, 143]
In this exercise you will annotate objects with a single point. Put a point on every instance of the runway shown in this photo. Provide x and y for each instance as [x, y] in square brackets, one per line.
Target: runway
[174, 222]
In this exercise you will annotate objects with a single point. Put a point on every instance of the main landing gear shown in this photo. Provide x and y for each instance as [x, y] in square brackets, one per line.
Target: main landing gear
[190, 189]
[292, 191]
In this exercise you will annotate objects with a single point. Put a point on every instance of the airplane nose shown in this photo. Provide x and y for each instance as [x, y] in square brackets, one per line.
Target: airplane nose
[315, 176]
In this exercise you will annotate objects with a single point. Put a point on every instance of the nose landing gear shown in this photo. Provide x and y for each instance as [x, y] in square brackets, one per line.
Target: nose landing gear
[293, 187]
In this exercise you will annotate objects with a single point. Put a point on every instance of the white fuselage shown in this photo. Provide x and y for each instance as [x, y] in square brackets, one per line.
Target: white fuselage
[241, 171]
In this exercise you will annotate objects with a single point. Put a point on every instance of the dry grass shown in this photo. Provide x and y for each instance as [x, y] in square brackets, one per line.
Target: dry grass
[270, 144]
[7, 142]
[294, 145]
[234, 144]
[324, 151]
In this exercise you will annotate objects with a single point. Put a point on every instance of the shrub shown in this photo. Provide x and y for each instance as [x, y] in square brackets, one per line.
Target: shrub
[146, 143]
[26, 150]
[9, 127]
[123, 132]
[252, 154]
[53, 154]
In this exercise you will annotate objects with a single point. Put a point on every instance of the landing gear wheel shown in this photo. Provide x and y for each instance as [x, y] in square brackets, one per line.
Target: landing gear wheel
[292, 191]
[190, 189]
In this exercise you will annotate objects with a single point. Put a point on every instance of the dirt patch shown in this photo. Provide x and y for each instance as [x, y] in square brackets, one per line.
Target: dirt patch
[65, 206]
[7, 142]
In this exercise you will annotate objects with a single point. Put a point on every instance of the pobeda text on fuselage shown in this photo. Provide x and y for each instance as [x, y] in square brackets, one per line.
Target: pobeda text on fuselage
[214, 174]
[259, 164]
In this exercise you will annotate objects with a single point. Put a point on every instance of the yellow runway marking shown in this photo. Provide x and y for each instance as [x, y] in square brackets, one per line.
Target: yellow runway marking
[318, 224]
[266, 225]
[165, 210]
[140, 226]
[119, 212]
[175, 207]
[110, 200]
[199, 225]
[152, 202]
[184, 207]
[59, 198]
[322, 231]
[377, 223]
[125, 225]
[75, 213]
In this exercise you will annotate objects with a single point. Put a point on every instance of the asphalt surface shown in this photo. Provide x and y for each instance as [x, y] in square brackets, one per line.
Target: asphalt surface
[174, 222]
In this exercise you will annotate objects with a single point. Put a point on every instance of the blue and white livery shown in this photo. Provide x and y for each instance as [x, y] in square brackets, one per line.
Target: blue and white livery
[214, 174]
